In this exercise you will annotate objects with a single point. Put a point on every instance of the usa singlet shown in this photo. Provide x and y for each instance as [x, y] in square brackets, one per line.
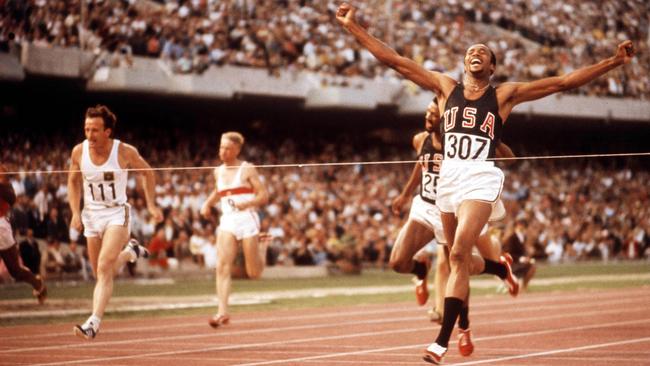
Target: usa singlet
[471, 129]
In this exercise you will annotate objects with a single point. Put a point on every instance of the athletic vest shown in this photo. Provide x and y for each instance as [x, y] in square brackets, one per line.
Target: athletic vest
[471, 129]
[430, 159]
[105, 185]
[235, 192]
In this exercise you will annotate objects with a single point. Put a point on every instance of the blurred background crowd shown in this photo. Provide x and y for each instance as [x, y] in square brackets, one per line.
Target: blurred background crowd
[531, 38]
[560, 210]
[338, 216]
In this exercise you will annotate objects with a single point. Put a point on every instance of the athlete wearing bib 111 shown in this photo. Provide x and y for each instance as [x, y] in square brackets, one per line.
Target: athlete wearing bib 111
[98, 173]
[104, 187]
[471, 131]
[241, 223]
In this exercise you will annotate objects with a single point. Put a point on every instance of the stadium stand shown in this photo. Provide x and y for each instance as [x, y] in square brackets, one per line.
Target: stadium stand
[531, 38]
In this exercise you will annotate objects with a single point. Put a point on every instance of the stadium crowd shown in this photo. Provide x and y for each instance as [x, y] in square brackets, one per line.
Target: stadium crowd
[531, 38]
[333, 215]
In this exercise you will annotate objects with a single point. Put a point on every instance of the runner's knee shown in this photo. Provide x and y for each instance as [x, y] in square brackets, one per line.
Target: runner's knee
[105, 268]
[224, 268]
[458, 258]
[398, 264]
[254, 273]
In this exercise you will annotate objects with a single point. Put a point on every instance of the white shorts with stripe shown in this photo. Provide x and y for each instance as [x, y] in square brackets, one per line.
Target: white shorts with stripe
[96, 221]
[462, 181]
[428, 215]
[242, 224]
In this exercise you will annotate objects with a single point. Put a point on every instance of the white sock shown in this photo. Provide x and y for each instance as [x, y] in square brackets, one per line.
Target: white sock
[133, 256]
[93, 322]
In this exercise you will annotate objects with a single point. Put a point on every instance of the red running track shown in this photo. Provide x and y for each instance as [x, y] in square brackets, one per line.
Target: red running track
[591, 328]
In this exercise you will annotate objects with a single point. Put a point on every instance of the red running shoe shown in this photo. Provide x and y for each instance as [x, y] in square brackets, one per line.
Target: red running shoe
[421, 291]
[511, 280]
[219, 320]
[421, 287]
[465, 345]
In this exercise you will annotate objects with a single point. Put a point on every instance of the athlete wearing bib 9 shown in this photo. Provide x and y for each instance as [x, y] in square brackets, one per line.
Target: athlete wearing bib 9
[471, 132]
[241, 223]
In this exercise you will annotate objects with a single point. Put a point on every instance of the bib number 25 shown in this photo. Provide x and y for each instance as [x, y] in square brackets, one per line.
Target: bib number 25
[429, 185]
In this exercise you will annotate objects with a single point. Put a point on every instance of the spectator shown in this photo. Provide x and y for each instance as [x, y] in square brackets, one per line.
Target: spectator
[182, 246]
[209, 252]
[555, 248]
[54, 262]
[296, 35]
[158, 249]
[302, 256]
[30, 253]
[42, 201]
[73, 258]
[196, 243]
[55, 227]
[523, 265]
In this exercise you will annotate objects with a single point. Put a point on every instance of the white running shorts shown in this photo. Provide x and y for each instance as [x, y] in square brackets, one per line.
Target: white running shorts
[242, 224]
[461, 181]
[428, 215]
[97, 221]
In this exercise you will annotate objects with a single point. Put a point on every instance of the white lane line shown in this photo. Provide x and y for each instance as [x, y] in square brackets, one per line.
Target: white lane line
[588, 296]
[600, 359]
[495, 351]
[383, 320]
[642, 309]
[511, 335]
[553, 352]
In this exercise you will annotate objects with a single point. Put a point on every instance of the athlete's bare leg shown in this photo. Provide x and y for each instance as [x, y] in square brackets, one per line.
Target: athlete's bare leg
[440, 281]
[472, 216]
[20, 273]
[226, 254]
[253, 257]
[489, 249]
[449, 224]
[413, 237]
[442, 274]
[94, 247]
[106, 256]
[107, 259]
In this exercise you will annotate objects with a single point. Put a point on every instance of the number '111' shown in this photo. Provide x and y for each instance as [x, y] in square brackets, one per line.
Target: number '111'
[101, 190]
